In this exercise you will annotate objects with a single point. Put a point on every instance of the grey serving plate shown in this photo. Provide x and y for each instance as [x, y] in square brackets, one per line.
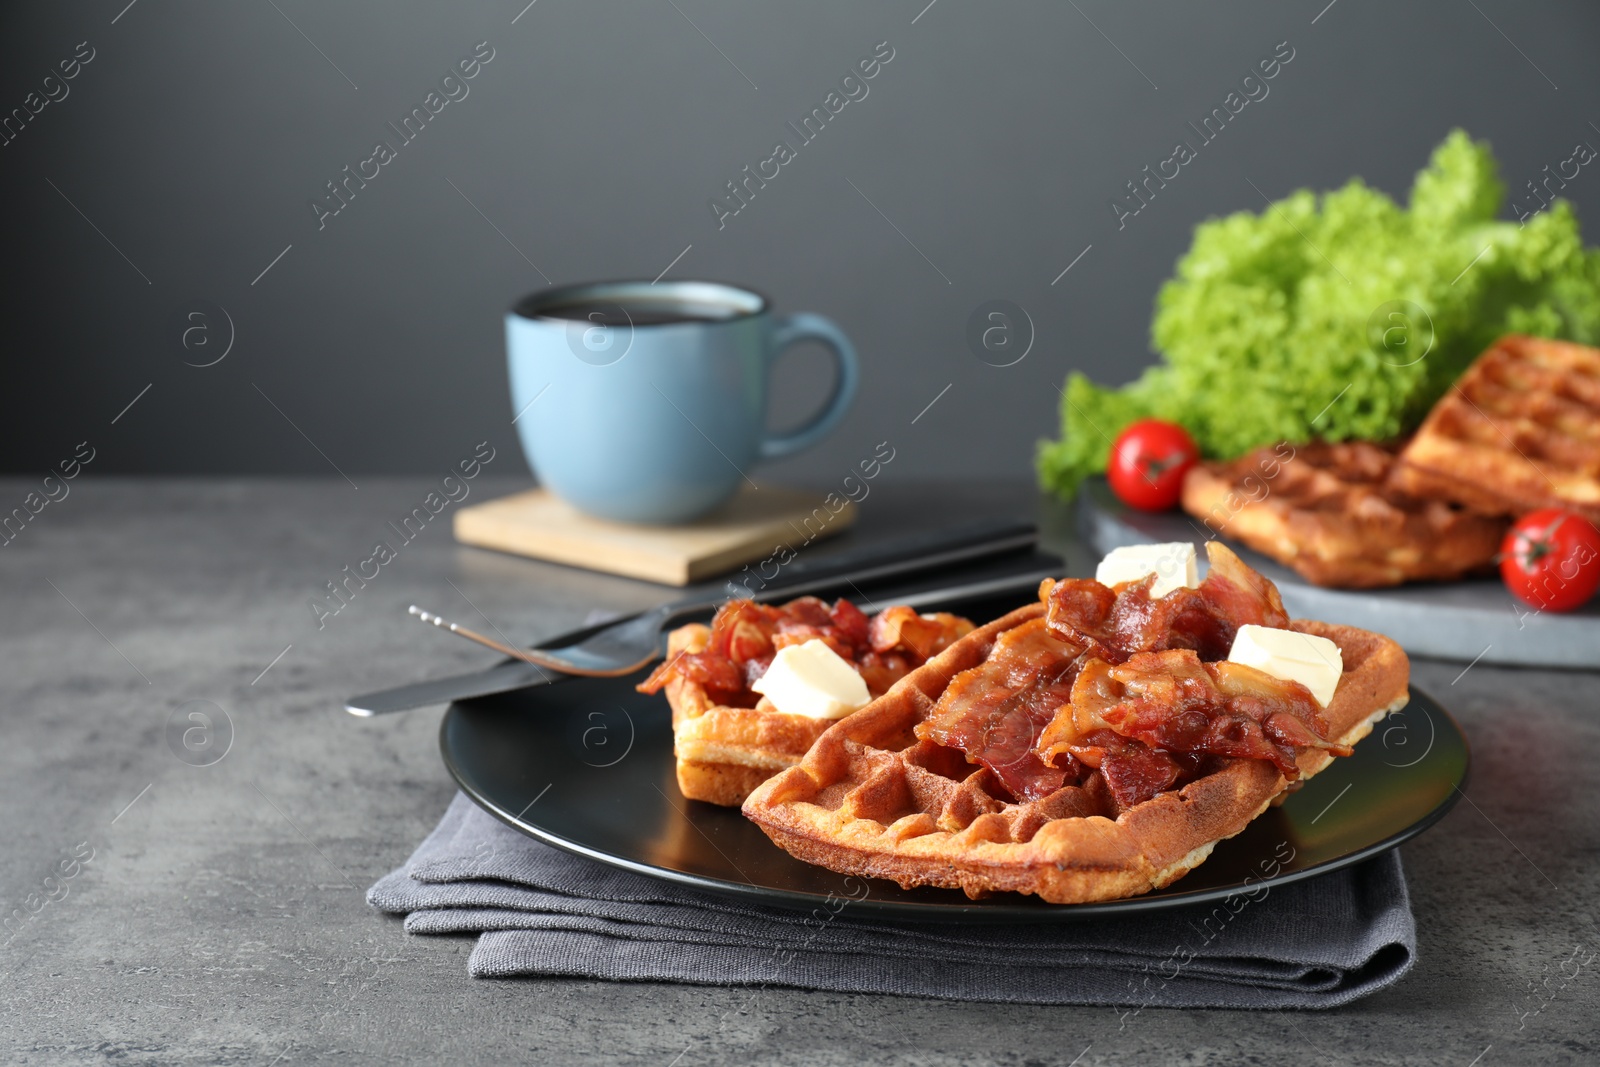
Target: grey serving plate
[1473, 620]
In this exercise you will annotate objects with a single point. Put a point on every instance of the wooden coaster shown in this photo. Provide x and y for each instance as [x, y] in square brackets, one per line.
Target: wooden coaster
[751, 526]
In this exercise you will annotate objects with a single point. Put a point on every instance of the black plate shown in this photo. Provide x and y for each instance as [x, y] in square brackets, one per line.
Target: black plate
[586, 765]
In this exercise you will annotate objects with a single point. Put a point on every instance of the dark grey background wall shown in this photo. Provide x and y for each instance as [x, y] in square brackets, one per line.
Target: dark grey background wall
[182, 162]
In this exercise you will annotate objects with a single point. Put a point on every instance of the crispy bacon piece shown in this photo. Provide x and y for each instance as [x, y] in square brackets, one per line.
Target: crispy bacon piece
[1172, 701]
[746, 635]
[1117, 624]
[994, 712]
[1114, 682]
[880, 670]
[1133, 771]
[741, 633]
[924, 636]
[1240, 593]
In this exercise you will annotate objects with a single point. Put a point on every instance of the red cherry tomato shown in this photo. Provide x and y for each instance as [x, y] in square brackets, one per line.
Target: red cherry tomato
[1551, 559]
[1148, 462]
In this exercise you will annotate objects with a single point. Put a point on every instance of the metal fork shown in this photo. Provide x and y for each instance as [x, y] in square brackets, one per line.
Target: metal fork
[624, 646]
[602, 656]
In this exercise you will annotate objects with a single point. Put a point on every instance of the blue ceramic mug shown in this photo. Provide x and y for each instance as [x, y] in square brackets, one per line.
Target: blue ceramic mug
[646, 402]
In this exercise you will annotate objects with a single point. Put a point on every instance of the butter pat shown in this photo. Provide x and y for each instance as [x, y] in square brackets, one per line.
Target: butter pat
[1172, 563]
[1314, 662]
[811, 680]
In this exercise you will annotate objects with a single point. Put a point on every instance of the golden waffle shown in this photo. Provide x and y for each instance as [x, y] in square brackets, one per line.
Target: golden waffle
[1519, 431]
[726, 740]
[870, 799]
[1331, 513]
[723, 752]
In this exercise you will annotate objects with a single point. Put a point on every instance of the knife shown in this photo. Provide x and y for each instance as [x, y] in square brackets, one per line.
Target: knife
[870, 562]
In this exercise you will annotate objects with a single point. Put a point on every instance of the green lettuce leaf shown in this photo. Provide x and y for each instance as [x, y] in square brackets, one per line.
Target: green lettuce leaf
[1338, 316]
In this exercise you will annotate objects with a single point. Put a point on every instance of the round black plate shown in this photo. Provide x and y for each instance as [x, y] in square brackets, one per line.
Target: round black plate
[586, 765]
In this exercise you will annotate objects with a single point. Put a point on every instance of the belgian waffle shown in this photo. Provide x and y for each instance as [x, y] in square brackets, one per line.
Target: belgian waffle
[1519, 431]
[1331, 513]
[728, 739]
[871, 799]
[725, 752]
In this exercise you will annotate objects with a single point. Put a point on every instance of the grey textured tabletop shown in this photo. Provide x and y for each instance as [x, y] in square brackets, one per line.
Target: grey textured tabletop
[215, 914]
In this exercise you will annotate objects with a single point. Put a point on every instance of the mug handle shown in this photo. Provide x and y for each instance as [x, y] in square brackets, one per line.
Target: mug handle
[792, 329]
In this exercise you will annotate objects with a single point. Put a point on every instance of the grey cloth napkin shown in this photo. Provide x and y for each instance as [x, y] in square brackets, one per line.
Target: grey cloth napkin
[542, 912]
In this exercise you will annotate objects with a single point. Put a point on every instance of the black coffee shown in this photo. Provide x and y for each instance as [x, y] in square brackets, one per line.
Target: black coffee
[636, 312]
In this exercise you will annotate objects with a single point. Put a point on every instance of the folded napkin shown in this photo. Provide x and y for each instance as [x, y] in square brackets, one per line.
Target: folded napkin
[540, 911]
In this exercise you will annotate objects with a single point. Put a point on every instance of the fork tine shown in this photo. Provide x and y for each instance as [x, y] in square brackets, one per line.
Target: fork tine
[540, 659]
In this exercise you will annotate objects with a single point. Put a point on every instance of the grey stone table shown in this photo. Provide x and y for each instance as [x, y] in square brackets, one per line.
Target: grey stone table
[160, 912]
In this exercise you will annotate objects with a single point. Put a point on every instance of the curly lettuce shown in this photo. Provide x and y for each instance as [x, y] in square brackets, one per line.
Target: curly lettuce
[1338, 316]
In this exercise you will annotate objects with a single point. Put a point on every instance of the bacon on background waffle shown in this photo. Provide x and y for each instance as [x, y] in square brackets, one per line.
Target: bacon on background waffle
[746, 635]
[1114, 624]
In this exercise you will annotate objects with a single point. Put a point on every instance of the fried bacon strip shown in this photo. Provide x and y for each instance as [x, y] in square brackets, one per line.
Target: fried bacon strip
[1116, 682]
[746, 635]
[1133, 771]
[1115, 625]
[994, 712]
[1173, 703]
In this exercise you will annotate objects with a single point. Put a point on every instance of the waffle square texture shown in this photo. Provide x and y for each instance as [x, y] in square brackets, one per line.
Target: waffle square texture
[1519, 431]
[871, 799]
[1332, 514]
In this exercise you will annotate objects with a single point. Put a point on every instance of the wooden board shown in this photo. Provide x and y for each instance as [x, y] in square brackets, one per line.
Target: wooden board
[750, 527]
[1469, 620]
